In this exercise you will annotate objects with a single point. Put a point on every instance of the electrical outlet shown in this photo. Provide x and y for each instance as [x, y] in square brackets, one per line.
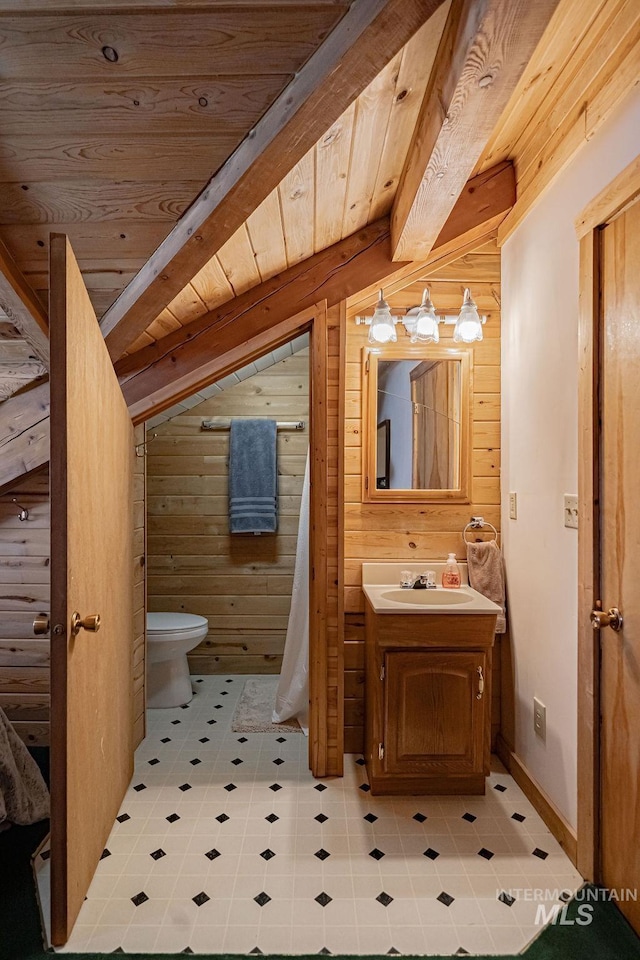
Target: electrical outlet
[540, 718]
[513, 506]
[571, 511]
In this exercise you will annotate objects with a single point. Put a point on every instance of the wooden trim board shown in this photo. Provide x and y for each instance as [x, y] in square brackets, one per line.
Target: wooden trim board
[536, 795]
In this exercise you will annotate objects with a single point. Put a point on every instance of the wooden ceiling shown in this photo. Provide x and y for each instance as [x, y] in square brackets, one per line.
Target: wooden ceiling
[351, 176]
[114, 116]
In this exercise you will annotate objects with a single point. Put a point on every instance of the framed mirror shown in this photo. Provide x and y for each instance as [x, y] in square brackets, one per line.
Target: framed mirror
[417, 423]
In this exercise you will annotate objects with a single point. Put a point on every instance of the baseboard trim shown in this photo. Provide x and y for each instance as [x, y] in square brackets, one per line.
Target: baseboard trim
[555, 821]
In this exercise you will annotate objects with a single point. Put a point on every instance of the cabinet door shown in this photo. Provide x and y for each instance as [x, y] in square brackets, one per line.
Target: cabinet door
[434, 720]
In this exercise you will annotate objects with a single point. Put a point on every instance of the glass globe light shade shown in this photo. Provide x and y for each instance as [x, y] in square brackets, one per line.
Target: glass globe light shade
[382, 329]
[426, 322]
[468, 325]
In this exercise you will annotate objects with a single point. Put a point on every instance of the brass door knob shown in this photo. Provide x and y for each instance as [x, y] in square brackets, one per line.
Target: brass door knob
[90, 623]
[611, 618]
[41, 625]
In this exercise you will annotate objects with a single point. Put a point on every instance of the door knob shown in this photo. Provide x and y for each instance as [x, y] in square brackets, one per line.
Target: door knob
[41, 625]
[91, 623]
[612, 618]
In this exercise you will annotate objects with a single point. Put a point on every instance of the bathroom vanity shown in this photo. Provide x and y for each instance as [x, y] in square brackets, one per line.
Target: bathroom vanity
[428, 684]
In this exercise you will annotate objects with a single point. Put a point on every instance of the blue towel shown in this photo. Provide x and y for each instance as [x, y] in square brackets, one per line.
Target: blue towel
[253, 477]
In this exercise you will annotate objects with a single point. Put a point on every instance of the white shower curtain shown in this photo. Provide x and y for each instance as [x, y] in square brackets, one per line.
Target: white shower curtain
[292, 697]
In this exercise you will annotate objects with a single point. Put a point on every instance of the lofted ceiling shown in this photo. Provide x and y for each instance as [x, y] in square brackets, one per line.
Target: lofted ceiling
[114, 117]
[205, 204]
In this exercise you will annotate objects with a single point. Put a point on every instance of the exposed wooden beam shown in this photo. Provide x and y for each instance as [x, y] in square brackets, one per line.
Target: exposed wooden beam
[24, 435]
[482, 206]
[175, 367]
[178, 365]
[367, 37]
[484, 49]
[22, 307]
[189, 356]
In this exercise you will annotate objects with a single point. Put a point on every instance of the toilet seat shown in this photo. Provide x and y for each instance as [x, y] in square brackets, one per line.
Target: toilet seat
[171, 626]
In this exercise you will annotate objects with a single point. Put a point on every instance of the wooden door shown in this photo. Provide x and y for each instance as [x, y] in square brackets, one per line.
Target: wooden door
[434, 721]
[91, 573]
[620, 558]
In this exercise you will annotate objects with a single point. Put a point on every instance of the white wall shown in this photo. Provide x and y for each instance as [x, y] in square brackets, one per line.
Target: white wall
[540, 283]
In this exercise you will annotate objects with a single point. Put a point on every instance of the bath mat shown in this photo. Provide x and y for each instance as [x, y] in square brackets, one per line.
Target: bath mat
[255, 708]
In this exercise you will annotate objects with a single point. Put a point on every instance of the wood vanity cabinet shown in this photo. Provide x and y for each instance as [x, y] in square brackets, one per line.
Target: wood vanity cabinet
[428, 702]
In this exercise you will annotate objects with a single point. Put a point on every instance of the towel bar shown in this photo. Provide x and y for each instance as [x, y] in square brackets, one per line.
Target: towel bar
[224, 423]
[477, 523]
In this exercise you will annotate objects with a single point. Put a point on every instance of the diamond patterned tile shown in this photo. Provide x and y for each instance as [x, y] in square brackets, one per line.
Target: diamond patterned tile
[368, 856]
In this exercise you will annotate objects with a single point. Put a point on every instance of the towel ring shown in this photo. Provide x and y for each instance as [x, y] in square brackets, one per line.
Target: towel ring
[478, 523]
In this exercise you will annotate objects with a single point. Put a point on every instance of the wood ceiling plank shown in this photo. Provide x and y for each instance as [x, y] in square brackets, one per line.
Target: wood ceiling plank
[567, 27]
[604, 51]
[238, 261]
[160, 157]
[297, 203]
[187, 305]
[112, 240]
[373, 109]
[369, 35]
[187, 105]
[333, 152]
[22, 307]
[417, 62]
[600, 85]
[75, 201]
[266, 234]
[212, 285]
[173, 43]
[483, 52]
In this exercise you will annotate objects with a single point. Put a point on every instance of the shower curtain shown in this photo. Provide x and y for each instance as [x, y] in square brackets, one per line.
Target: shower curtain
[292, 697]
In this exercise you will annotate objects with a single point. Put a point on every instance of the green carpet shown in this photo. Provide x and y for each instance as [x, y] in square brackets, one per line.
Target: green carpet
[607, 937]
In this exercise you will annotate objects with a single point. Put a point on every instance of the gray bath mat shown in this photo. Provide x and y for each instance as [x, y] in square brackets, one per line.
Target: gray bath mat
[255, 708]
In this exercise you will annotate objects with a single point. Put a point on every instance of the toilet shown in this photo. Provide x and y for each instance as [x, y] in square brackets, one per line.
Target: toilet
[170, 637]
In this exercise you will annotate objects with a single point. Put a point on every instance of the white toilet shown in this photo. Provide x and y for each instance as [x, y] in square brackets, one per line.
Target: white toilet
[170, 637]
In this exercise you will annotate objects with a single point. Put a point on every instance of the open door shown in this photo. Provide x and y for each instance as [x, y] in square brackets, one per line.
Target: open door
[91, 577]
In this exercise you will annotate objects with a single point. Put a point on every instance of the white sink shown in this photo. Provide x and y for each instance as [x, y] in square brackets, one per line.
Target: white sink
[381, 585]
[428, 598]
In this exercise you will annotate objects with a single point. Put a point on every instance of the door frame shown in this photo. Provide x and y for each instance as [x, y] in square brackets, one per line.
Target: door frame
[605, 207]
[326, 656]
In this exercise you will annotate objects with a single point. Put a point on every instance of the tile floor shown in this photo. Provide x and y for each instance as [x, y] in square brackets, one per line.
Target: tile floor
[225, 843]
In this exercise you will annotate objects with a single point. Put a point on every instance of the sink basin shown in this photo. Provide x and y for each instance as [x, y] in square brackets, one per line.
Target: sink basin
[427, 598]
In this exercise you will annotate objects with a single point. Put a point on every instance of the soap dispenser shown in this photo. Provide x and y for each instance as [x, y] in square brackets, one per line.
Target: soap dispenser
[451, 572]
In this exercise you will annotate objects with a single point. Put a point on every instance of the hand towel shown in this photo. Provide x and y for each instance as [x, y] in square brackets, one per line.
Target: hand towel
[486, 575]
[24, 797]
[253, 477]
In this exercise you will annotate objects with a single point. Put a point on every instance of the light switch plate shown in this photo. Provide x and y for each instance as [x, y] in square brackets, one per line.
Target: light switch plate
[513, 506]
[540, 718]
[571, 511]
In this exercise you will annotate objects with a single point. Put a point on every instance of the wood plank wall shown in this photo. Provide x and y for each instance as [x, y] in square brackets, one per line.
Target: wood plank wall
[398, 531]
[24, 593]
[139, 593]
[241, 583]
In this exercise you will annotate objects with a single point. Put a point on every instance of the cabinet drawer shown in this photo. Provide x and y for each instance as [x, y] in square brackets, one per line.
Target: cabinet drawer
[434, 720]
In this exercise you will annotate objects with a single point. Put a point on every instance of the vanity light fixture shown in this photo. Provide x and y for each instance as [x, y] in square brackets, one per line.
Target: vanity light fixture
[383, 325]
[421, 322]
[468, 325]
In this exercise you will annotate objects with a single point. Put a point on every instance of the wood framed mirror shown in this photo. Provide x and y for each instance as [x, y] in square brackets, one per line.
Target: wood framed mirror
[417, 423]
